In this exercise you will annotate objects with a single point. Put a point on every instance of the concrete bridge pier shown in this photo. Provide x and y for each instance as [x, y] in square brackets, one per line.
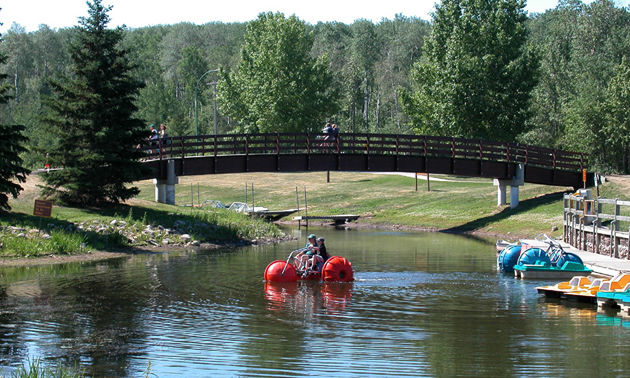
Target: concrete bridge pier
[514, 183]
[165, 188]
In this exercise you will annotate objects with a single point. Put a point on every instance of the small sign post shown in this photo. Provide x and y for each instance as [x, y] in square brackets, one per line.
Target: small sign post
[42, 209]
[584, 177]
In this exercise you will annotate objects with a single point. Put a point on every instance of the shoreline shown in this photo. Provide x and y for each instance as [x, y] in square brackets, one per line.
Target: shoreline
[397, 227]
[106, 255]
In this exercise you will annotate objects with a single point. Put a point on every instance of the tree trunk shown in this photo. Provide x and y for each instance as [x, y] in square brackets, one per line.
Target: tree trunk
[366, 105]
[16, 82]
[378, 110]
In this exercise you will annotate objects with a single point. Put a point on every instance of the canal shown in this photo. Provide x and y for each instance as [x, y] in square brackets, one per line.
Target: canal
[423, 304]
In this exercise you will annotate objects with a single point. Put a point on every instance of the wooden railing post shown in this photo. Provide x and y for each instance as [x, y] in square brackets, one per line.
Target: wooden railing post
[526, 154]
[614, 243]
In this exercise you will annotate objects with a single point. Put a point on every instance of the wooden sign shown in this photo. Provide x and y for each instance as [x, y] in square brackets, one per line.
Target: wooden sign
[43, 208]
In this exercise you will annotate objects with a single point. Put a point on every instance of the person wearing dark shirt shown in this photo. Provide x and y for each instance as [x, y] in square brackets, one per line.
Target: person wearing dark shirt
[319, 257]
[322, 249]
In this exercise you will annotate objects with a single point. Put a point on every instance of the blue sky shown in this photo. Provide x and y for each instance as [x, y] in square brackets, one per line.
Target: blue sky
[137, 13]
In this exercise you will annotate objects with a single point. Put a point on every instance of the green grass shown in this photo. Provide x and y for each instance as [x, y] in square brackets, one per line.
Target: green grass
[73, 231]
[458, 205]
[35, 369]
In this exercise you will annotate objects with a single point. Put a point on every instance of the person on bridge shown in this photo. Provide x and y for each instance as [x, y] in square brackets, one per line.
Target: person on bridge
[163, 136]
[328, 130]
[335, 131]
[153, 138]
[328, 134]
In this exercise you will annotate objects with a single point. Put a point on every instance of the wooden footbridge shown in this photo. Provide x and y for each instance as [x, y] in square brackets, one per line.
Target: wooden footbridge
[296, 152]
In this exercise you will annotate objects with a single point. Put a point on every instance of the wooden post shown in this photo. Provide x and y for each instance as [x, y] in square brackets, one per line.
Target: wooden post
[305, 206]
[297, 199]
[615, 243]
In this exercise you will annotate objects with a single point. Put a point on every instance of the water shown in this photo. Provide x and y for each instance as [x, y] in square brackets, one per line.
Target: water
[423, 304]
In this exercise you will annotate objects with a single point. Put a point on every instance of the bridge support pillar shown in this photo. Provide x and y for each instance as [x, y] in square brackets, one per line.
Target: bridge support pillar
[165, 189]
[518, 180]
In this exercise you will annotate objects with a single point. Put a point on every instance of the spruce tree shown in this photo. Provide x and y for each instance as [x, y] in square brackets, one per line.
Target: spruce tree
[92, 119]
[11, 145]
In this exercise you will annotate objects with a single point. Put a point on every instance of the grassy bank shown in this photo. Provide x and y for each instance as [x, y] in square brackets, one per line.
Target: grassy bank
[453, 204]
[458, 204]
[135, 224]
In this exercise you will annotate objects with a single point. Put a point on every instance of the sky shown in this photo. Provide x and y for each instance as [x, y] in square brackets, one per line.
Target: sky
[138, 13]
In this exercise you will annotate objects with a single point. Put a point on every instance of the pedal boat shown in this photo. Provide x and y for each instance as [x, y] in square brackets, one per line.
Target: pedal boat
[544, 270]
[615, 298]
[335, 269]
[557, 290]
[589, 293]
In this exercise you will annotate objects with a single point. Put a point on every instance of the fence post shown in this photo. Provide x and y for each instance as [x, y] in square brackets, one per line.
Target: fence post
[577, 220]
[565, 222]
[614, 242]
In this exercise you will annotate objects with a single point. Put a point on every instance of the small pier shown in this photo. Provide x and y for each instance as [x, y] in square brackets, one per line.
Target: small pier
[337, 219]
[272, 215]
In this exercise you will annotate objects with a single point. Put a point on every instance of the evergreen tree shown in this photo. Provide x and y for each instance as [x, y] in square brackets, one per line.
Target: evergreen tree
[92, 119]
[11, 168]
[478, 71]
[278, 86]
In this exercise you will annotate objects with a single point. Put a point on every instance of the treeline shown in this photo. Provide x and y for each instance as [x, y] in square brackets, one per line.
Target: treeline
[579, 101]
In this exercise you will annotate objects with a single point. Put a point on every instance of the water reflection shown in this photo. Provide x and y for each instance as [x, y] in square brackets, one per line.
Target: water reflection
[309, 297]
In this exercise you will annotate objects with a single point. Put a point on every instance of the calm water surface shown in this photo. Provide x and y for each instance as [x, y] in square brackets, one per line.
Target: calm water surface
[423, 304]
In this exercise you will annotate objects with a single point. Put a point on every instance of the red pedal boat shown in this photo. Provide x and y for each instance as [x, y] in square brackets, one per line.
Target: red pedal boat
[335, 269]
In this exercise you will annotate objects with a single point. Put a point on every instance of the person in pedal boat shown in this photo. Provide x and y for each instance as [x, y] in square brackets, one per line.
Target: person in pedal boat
[320, 256]
[305, 255]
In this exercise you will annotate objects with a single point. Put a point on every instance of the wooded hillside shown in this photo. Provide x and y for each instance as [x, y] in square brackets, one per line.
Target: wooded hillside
[580, 101]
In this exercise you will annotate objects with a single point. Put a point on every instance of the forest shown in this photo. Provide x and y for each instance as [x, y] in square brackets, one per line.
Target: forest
[569, 77]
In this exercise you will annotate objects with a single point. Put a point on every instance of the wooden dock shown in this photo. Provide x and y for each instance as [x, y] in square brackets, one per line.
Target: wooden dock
[338, 219]
[272, 215]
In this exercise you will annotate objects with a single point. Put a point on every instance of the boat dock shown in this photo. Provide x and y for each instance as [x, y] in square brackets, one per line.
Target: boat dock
[272, 215]
[600, 264]
[337, 219]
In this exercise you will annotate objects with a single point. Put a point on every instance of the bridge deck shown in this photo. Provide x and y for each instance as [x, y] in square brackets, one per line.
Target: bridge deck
[293, 152]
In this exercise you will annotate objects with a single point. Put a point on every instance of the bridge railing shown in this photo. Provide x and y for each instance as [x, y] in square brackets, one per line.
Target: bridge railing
[357, 143]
